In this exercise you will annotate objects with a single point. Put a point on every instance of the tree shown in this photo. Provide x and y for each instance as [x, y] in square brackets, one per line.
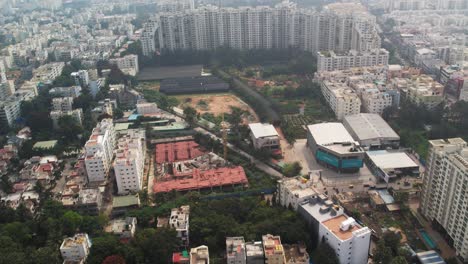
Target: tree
[47, 254]
[71, 221]
[292, 169]
[69, 128]
[392, 240]
[399, 260]
[382, 253]
[190, 115]
[114, 259]
[157, 245]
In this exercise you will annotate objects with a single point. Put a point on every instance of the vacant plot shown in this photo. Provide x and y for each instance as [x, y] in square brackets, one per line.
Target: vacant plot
[151, 85]
[215, 104]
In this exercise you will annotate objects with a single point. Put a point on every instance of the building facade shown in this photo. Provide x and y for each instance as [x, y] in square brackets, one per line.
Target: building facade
[341, 98]
[75, 249]
[129, 162]
[445, 190]
[99, 151]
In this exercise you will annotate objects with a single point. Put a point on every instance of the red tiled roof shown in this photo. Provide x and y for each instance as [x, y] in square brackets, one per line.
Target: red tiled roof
[203, 179]
[177, 151]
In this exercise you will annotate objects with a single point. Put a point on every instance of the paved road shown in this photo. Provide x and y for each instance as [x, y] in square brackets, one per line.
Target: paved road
[260, 165]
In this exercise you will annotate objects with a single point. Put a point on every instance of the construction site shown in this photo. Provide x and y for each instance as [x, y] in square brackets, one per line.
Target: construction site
[184, 166]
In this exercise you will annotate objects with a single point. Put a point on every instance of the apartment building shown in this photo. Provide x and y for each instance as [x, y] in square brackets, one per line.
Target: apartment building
[444, 192]
[423, 90]
[127, 64]
[342, 27]
[76, 114]
[10, 110]
[62, 104]
[99, 151]
[81, 77]
[75, 249]
[332, 61]
[341, 98]
[48, 73]
[72, 91]
[200, 255]
[293, 191]
[179, 220]
[273, 249]
[350, 240]
[375, 102]
[129, 162]
[235, 250]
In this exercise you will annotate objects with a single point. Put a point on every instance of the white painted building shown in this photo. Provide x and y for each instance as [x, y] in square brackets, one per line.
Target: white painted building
[99, 151]
[81, 77]
[62, 104]
[200, 255]
[445, 190]
[264, 136]
[375, 101]
[350, 240]
[294, 191]
[179, 220]
[10, 110]
[76, 249]
[129, 162]
[127, 64]
[341, 98]
[331, 61]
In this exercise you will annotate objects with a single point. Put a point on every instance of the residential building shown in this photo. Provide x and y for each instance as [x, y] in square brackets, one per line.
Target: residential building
[296, 254]
[331, 61]
[127, 64]
[423, 90]
[444, 192]
[147, 108]
[99, 151]
[10, 110]
[254, 252]
[76, 249]
[72, 91]
[62, 104]
[81, 77]
[341, 98]
[179, 221]
[76, 114]
[199, 255]
[235, 250]
[371, 131]
[96, 85]
[264, 136]
[273, 249]
[333, 147]
[350, 240]
[129, 162]
[125, 228]
[375, 101]
[291, 192]
[48, 73]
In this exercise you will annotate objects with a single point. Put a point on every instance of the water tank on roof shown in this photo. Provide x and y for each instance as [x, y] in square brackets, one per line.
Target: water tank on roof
[348, 223]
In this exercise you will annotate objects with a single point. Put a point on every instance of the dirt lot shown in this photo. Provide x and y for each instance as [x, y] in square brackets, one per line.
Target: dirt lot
[150, 85]
[215, 104]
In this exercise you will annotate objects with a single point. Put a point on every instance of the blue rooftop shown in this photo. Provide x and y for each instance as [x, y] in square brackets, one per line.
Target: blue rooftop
[386, 196]
[430, 257]
[133, 117]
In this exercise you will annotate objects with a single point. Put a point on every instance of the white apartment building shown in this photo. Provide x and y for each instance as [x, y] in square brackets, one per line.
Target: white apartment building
[10, 110]
[179, 220]
[200, 255]
[404, 5]
[6, 89]
[175, 5]
[99, 151]
[445, 190]
[62, 104]
[375, 101]
[73, 91]
[48, 73]
[294, 191]
[76, 249]
[423, 90]
[129, 162]
[264, 136]
[127, 64]
[452, 4]
[350, 240]
[341, 98]
[341, 27]
[81, 77]
[77, 114]
[331, 61]
[147, 108]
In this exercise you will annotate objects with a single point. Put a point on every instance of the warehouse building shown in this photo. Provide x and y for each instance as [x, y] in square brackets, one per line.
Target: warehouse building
[187, 85]
[371, 131]
[391, 165]
[333, 147]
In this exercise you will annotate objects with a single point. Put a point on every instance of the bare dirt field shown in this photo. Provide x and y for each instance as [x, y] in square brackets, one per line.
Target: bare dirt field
[215, 104]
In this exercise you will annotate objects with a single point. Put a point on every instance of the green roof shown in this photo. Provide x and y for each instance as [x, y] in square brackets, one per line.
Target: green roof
[125, 201]
[122, 126]
[172, 126]
[45, 144]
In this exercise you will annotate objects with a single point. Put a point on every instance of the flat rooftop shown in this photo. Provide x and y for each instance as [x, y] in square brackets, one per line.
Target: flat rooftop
[334, 224]
[45, 144]
[260, 130]
[370, 126]
[125, 201]
[160, 73]
[386, 160]
[177, 151]
[430, 257]
[330, 133]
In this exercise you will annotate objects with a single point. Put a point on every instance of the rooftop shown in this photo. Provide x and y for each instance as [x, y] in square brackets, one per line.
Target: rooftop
[335, 226]
[125, 201]
[430, 257]
[330, 133]
[385, 159]
[176, 151]
[260, 130]
[45, 144]
[370, 126]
